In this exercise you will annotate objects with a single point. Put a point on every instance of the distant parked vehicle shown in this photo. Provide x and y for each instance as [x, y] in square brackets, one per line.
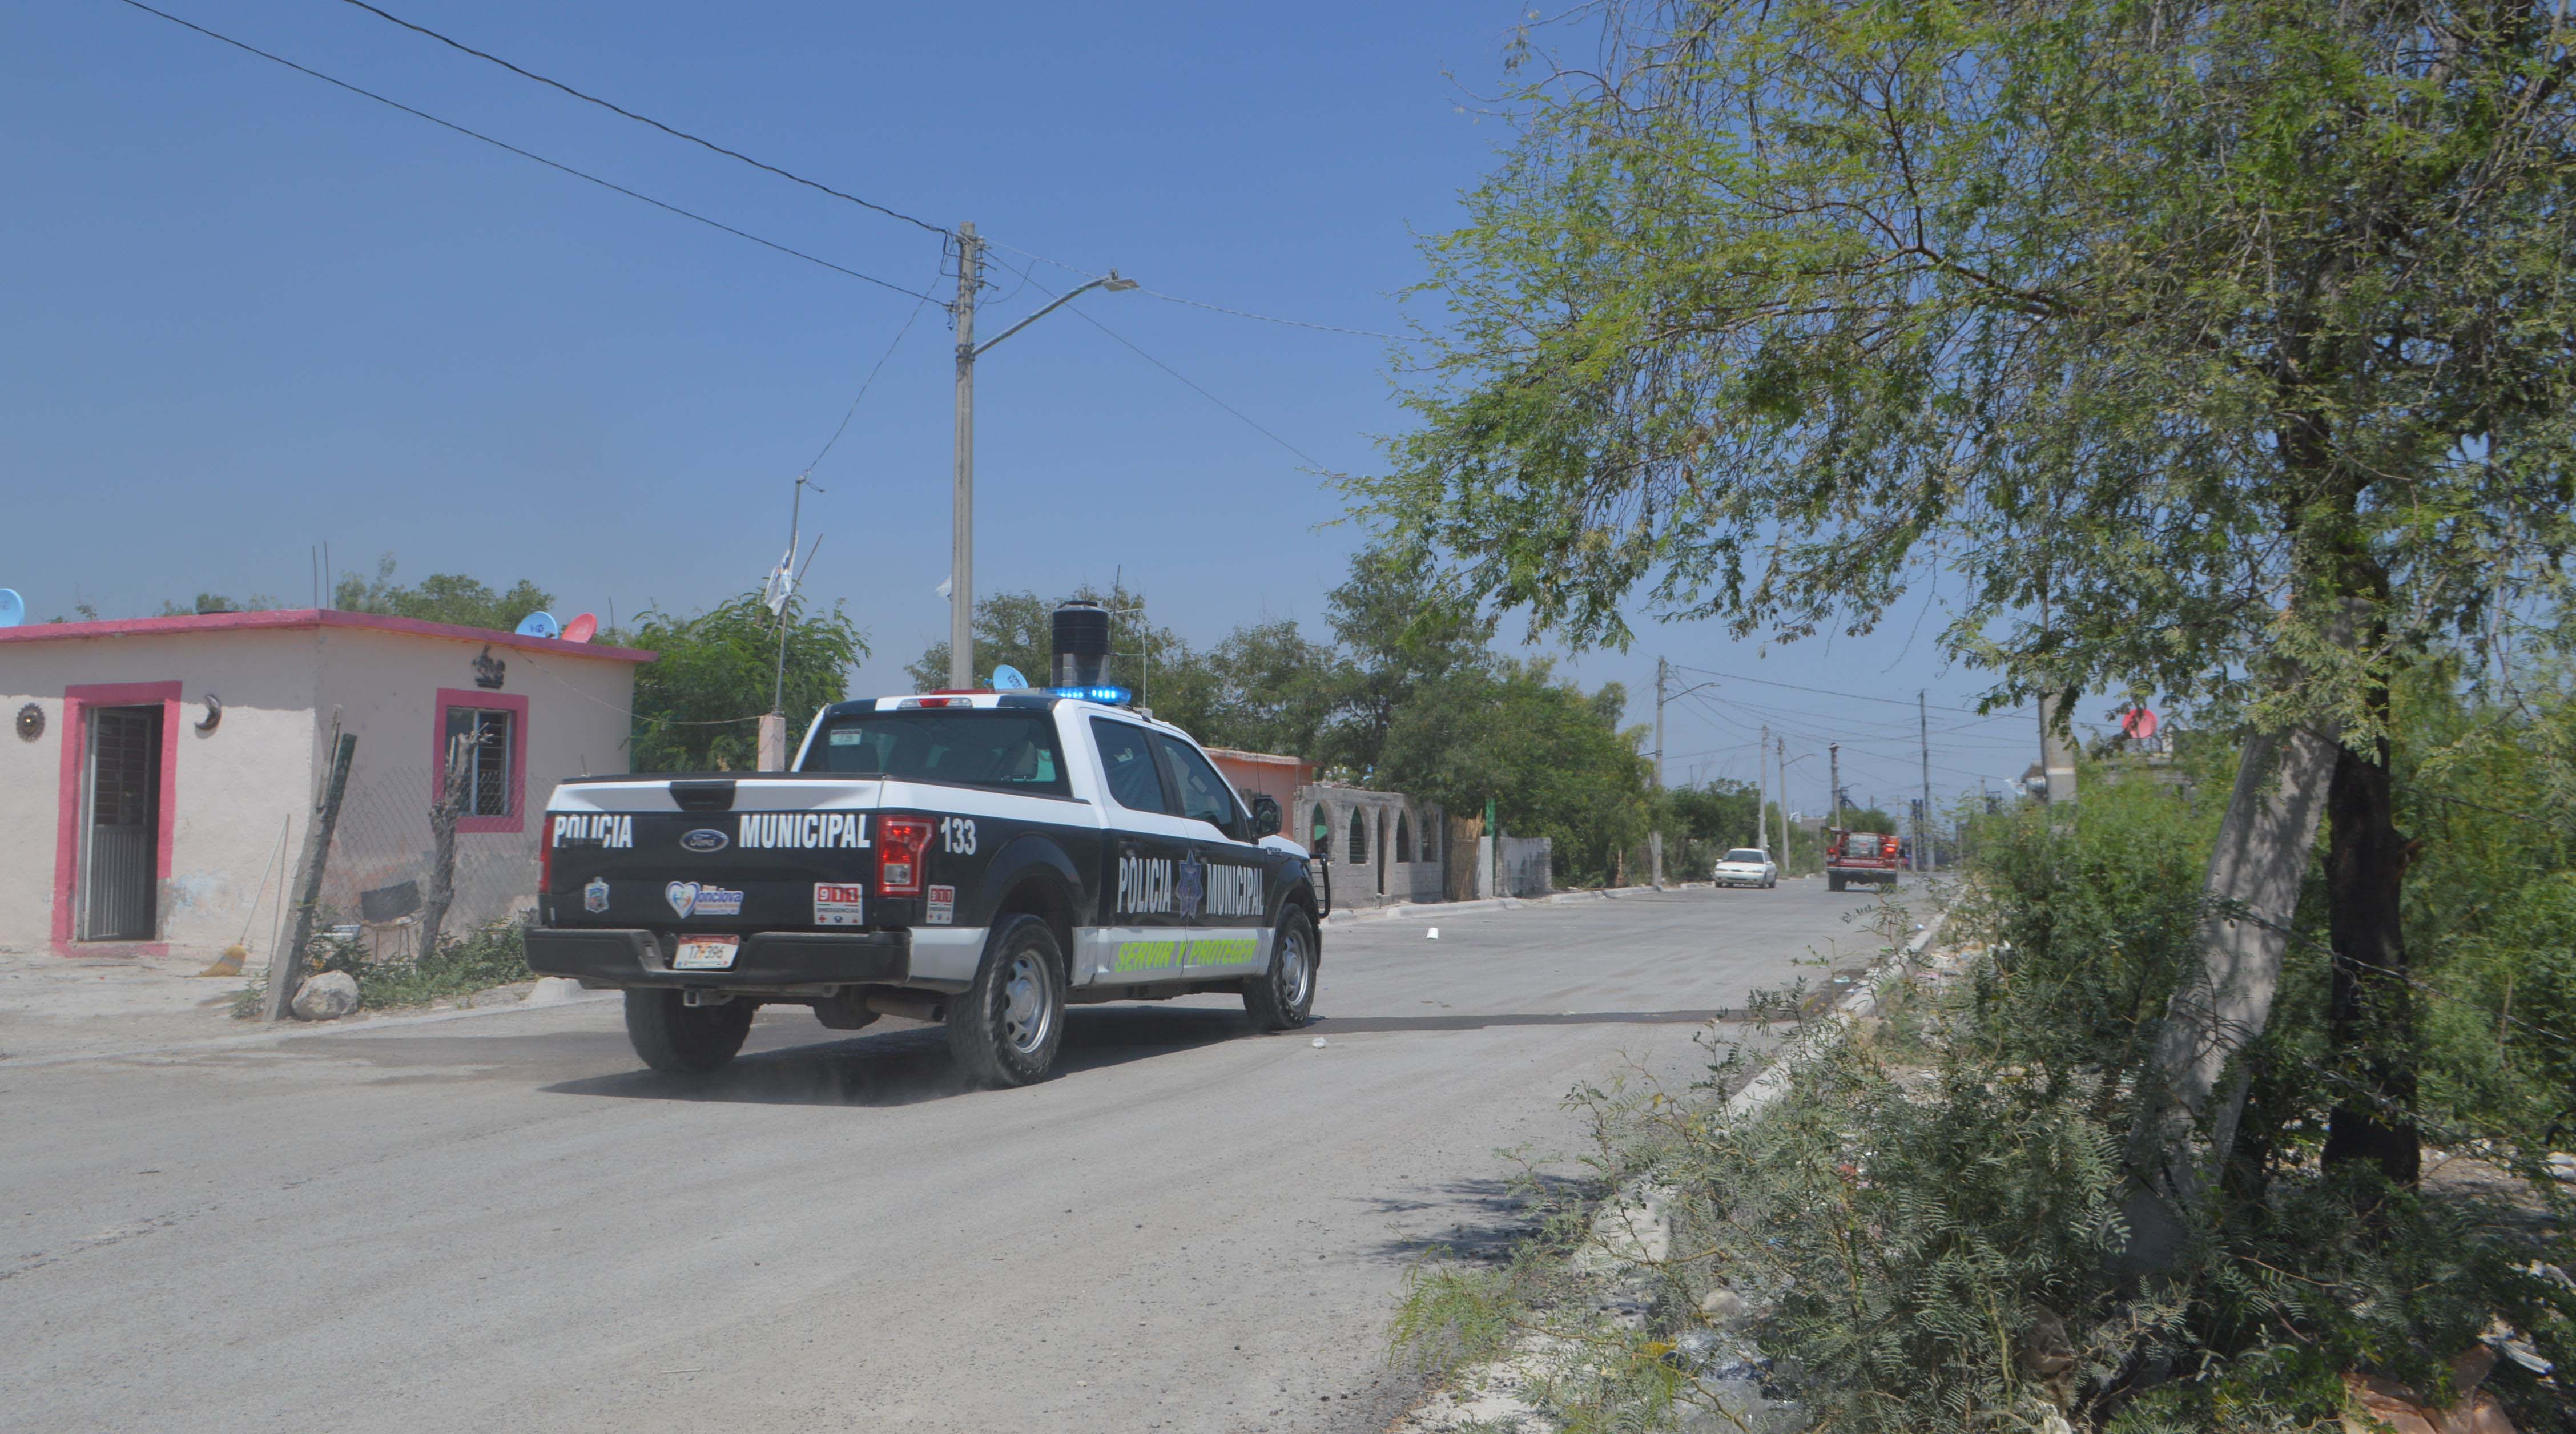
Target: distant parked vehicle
[1860, 856]
[1746, 866]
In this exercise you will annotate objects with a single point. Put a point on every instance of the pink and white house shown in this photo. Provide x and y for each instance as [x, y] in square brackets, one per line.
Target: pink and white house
[159, 773]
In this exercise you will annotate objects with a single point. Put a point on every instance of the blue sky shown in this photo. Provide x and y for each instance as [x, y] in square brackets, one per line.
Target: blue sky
[251, 313]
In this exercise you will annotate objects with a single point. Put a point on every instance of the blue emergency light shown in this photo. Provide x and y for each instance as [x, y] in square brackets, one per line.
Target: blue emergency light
[1114, 696]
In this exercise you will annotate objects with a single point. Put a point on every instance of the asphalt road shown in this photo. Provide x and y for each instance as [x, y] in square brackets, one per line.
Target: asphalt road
[504, 1223]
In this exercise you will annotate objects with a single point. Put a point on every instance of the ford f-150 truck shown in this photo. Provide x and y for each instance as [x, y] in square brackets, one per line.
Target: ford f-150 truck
[979, 859]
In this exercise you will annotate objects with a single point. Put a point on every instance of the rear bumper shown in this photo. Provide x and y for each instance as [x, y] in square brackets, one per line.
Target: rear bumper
[1863, 873]
[769, 960]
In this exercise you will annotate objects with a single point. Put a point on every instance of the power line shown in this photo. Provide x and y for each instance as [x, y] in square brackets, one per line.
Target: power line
[1311, 459]
[1266, 318]
[1827, 691]
[1201, 304]
[869, 382]
[523, 154]
[617, 109]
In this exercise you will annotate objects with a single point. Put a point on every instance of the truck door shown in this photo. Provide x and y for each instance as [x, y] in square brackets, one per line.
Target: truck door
[1224, 882]
[1138, 936]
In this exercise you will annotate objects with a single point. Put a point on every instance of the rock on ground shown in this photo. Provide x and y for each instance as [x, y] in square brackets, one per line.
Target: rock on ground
[326, 997]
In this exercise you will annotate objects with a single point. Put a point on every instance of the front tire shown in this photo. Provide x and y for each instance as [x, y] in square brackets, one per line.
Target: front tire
[679, 1039]
[1006, 1028]
[1283, 997]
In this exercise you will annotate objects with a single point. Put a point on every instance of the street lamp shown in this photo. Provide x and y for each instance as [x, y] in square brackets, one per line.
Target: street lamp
[961, 556]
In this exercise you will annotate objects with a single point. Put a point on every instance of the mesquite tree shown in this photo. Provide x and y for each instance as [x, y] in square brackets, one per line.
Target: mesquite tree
[2222, 350]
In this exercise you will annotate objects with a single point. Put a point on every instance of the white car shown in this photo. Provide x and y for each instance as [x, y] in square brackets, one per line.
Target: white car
[1746, 866]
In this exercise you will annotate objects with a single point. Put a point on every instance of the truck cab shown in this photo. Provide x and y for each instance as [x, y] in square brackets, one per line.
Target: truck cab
[977, 859]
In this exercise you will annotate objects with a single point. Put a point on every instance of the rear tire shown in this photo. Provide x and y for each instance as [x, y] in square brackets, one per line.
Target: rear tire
[1006, 1028]
[1283, 997]
[1833, 883]
[678, 1039]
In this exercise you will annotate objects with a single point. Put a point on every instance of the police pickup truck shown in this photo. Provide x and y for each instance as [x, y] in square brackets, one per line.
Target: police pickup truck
[979, 859]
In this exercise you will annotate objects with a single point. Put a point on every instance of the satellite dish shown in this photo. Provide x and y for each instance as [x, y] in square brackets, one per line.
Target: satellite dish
[540, 624]
[581, 629]
[2139, 723]
[13, 608]
[1007, 678]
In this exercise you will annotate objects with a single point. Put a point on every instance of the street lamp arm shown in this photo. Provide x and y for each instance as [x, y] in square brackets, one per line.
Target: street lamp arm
[1113, 283]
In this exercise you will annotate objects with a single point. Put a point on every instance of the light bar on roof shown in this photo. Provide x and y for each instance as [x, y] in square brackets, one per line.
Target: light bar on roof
[1103, 692]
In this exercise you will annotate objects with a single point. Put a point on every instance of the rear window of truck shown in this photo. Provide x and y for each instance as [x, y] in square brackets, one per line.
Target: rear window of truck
[963, 747]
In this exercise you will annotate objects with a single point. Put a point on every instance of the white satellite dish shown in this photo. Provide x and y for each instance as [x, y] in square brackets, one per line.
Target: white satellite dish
[13, 608]
[1007, 678]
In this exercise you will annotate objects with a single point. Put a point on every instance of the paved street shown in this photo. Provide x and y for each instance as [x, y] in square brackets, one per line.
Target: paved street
[502, 1223]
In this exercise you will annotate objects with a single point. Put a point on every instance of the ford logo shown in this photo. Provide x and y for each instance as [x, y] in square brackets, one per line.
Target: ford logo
[705, 839]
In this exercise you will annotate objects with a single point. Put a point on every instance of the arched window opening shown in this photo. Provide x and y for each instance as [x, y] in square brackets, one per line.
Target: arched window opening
[1359, 837]
[1403, 838]
[1319, 832]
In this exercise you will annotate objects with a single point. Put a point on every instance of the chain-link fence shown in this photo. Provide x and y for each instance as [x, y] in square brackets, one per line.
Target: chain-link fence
[381, 881]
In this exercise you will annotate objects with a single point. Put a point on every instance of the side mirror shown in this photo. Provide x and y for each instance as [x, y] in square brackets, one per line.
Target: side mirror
[1265, 816]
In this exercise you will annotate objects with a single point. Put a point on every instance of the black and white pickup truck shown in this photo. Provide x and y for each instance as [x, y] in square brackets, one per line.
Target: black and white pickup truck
[978, 859]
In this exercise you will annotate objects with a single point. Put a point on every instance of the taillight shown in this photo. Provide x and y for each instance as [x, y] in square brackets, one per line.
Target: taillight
[1887, 847]
[903, 846]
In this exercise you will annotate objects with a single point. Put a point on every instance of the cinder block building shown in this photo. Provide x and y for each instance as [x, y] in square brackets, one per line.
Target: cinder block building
[160, 772]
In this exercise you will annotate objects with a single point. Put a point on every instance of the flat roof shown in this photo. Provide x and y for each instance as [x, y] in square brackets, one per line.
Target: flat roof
[312, 618]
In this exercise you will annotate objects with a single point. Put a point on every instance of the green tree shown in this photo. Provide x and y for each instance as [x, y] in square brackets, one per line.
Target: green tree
[1018, 629]
[218, 602]
[1552, 759]
[1406, 633]
[2219, 349]
[440, 597]
[697, 705]
[1267, 688]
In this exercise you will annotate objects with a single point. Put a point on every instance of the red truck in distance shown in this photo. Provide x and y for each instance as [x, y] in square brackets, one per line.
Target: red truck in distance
[1861, 856]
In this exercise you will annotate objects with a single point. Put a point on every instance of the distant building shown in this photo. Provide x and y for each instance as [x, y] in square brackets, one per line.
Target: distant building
[156, 790]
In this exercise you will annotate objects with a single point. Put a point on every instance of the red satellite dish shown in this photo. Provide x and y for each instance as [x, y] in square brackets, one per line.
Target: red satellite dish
[2138, 722]
[586, 627]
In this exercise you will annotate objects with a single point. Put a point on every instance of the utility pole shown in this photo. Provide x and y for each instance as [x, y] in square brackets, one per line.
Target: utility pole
[1923, 719]
[1762, 790]
[961, 556]
[1655, 838]
[1660, 670]
[961, 531]
[1834, 774]
[1781, 748]
[2056, 755]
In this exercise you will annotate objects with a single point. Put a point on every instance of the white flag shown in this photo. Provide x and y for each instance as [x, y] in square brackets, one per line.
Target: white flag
[781, 584]
[943, 587]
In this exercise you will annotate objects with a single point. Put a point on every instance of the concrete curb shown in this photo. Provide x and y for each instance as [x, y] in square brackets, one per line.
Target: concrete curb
[1633, 1223]
[304, 1031]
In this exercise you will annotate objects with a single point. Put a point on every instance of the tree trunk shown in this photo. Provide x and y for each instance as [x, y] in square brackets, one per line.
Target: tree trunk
[2371, 1018]
[2253, 891]
[442, 836]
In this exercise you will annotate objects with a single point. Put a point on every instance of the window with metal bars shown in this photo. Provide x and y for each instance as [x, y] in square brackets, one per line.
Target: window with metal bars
[487, 764]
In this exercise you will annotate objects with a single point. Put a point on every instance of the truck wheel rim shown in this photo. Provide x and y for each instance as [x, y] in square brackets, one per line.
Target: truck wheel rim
[1026, 1013]
[1294, 969]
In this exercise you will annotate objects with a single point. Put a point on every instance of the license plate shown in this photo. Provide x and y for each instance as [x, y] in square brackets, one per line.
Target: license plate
[706, 953]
